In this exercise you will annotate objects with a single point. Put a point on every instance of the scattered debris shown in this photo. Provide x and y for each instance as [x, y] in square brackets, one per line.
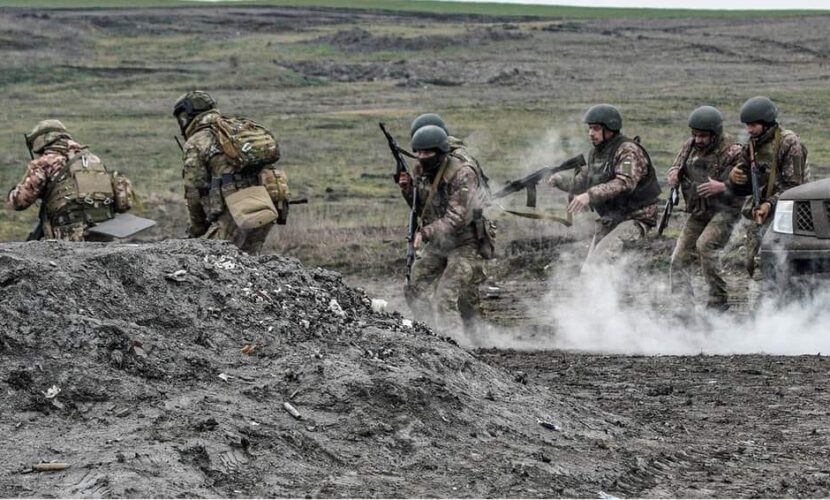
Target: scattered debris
[291, 410]
[52, 392]
[179, 275]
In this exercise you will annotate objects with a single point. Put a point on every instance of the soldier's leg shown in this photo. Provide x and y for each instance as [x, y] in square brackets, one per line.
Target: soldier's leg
[456, 293]
[714, 238]
[425, 273]
[680, 270]
[625, 234]
[754, 235]
[252, 241]
[69, 232]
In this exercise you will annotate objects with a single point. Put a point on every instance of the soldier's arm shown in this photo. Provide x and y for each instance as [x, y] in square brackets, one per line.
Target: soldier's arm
[33, 184]
[680, 159]
[576, 183]
[463, 189]
[196, 185]
[630, 166]
[789, 170]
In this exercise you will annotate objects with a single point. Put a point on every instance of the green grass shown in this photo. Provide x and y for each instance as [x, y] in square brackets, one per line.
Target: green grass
[424, 6]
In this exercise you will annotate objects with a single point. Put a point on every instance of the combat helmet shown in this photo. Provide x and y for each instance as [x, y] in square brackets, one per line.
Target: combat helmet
[427, 119]
[430, 137]
[759, 109]
[44, 134]
[191, 104]
[707, 119]
[605, 115]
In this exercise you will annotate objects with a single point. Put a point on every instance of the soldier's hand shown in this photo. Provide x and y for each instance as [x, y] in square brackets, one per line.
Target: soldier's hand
[711, 188]
[418, 241]
[738, 176]
[579, 203]
[672, 176]
[761, 213]
[404, 181]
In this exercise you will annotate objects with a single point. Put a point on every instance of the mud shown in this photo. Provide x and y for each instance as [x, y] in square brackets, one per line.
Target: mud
[163, 370]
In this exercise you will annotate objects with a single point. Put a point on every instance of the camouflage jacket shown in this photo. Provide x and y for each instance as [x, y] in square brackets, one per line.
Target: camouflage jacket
[781, 149]
[39, 172]
[698, 165]
[446, 221]
[202, 159]
[631, 170]
[458, 148]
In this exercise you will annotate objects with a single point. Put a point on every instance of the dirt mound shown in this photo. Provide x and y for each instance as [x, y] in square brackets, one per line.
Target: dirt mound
[164, 370]
[357, 39]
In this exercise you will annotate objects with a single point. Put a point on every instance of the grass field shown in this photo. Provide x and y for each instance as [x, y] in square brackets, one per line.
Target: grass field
[323, 78]
[419, 6]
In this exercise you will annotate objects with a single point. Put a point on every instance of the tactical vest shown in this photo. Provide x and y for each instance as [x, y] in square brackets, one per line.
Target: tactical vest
[601, 169]
[768, 158]
[433, 205]
[699, 165]
[81, 192]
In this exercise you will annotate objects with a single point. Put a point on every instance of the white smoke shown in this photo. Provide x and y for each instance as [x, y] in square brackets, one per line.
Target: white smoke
[615, 310]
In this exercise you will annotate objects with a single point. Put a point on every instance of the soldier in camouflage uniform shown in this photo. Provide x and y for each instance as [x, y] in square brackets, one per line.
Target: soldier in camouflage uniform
[701, 168]
[444, 286]
[209, 174]
[782, 161]
[619, 183]
[74, 186]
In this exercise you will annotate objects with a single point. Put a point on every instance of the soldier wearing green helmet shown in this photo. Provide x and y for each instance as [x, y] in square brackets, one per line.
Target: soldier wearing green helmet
[781, 159]
[701, 168]
[216, 181]
[443, 290]
[619, 183]
[75, 187]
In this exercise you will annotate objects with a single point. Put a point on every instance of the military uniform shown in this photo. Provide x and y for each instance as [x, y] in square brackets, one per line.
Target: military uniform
[711, 220]
[445, 277]
[208, 176]
[783, 164]
[622, 188]
[73, 184]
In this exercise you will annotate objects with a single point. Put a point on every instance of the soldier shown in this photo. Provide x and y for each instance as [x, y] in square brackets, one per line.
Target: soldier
[701, 168]
[75, 188]
[457, 146]
[782, 164]
[619, 183]
[215, 175]
[445, 278]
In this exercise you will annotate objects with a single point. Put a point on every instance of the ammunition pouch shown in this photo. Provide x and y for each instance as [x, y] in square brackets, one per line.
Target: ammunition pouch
[276, 183]
[485, 233]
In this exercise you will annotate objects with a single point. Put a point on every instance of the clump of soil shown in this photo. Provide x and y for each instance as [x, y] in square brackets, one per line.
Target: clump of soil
[184, 368]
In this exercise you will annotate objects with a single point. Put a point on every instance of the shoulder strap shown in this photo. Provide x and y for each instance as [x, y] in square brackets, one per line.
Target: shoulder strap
[773, 171]
[435, 183]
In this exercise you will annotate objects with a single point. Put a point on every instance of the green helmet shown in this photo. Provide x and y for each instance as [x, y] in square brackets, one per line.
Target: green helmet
[193, 103]
[606, 115]
[430, 137]
[44, 134]
[759, 109]
[707, 119]
[427, 119]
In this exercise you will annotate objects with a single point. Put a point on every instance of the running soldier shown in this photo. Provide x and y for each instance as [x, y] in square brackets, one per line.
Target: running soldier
[75, 188]
[781, 160]
[701, 168]
[619, 183]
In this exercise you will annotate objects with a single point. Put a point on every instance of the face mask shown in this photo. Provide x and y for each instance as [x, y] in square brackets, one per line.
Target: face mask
[431, 164]
[184, 120]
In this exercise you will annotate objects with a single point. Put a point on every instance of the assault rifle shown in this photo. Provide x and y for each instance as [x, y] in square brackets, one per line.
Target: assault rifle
[400, 167]
[674, 199]
[529, 182]
[37, 233]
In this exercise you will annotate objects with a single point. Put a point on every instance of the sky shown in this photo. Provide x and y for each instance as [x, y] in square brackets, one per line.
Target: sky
[686, 4]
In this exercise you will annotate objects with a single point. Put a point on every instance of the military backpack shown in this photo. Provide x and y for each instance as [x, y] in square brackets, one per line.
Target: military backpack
[248, 145]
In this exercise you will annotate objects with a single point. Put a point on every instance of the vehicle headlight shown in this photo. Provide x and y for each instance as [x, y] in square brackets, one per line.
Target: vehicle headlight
[783, 222]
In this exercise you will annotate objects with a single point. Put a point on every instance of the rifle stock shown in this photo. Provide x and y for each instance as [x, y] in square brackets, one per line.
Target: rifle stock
[529, 182]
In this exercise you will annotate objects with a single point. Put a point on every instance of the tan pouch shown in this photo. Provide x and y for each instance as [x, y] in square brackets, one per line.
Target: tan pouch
[251, 208]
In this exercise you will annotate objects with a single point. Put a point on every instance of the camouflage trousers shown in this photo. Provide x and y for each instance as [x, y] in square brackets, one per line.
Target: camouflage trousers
[754, 235]
[611, 239]
[224, 228]
[444, 287]
[700, 240]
